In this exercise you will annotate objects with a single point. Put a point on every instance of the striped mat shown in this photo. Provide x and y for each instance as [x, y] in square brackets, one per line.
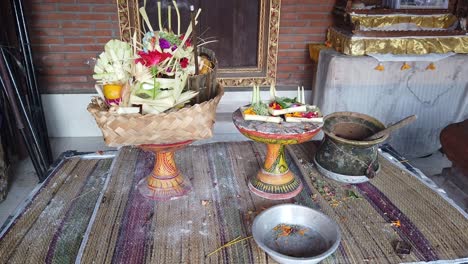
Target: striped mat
[89, 211]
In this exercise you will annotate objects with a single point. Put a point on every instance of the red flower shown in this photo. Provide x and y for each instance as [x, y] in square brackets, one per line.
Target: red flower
[310, 114]
[275, 106]
[188, 42]
[152, 58]
[184, 63]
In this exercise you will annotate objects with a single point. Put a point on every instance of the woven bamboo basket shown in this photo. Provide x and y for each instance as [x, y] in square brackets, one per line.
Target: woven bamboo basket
[189, 123]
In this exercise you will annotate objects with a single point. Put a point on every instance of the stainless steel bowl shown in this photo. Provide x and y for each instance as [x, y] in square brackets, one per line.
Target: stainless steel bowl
[314, 238]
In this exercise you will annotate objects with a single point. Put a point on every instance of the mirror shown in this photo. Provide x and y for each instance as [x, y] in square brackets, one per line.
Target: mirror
[246, 31]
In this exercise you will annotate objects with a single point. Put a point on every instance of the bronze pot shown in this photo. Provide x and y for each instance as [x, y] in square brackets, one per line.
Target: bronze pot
[344, 155]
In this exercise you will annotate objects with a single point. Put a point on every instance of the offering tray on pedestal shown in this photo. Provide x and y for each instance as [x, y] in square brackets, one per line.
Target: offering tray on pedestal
[161, 134]
[274, 180]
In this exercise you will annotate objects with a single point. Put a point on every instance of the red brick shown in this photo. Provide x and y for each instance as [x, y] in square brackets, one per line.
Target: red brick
[94, 17]
[45, 24]
[37, 40]
[293, 23]
[103, 40]
[78, 40]
[74, 8]
[106, 25]
[56, 48]
[99, 33]
[309, 16]
[290, 68]
[47, 32]
[105, 9]
[298, 60]
[77, 25]
[80, 55]
[54, 16]
[43, 8]
[283, 75]
[52, 57]
[307, 8]
[293, 38]
[292, 45]
[93, 47]
[58, 63]
[310, 30]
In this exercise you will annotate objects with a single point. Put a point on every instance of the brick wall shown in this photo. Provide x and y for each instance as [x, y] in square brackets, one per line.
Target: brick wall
[302, 22]
[65, 34]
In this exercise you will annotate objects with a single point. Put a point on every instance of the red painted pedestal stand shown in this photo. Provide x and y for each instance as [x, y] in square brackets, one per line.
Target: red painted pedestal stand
[165, 181]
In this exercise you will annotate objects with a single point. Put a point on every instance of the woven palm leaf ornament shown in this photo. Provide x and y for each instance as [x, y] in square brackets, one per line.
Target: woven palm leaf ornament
[152, 73]
[144, 96]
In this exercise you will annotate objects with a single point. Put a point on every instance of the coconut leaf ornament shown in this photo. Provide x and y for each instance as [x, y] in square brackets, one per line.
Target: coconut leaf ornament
[114, 65]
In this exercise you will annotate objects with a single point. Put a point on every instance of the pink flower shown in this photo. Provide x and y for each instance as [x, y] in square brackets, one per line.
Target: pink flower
[152, 58]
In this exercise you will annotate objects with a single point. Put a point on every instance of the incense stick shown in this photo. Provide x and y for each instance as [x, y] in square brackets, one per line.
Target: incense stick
[194, 38]
[303, 95]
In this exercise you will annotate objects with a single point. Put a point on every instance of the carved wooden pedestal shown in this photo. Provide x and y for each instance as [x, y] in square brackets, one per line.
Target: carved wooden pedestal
[274, 180]
[165, 181]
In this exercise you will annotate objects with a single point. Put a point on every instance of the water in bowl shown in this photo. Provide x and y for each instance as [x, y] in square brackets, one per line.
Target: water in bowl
[296, 241]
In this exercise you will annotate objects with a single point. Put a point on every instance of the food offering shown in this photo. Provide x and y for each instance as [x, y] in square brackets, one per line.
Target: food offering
[258, 110]
[281, 109]
[312, 114]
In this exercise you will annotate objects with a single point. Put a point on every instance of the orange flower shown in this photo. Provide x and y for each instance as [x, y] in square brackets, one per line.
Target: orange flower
[249, 111]
[295, 114]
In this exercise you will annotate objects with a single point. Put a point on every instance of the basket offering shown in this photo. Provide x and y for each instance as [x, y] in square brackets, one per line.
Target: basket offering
[158, 93]
[143, 87]
[281, 109]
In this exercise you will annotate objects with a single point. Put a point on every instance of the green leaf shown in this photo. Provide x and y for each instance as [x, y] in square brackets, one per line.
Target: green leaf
[352, 194]
[285, 102]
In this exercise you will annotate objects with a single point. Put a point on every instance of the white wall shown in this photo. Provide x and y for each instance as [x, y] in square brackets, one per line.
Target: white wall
[66, 114]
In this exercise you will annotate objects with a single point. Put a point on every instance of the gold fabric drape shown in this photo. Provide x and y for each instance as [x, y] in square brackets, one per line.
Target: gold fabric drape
[358, 46]
[434, 21]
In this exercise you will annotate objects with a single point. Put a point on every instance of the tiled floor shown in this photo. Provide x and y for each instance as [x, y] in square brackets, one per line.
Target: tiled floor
[24, 179]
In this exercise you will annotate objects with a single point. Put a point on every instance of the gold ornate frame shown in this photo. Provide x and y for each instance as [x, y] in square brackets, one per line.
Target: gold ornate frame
[265, 71]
